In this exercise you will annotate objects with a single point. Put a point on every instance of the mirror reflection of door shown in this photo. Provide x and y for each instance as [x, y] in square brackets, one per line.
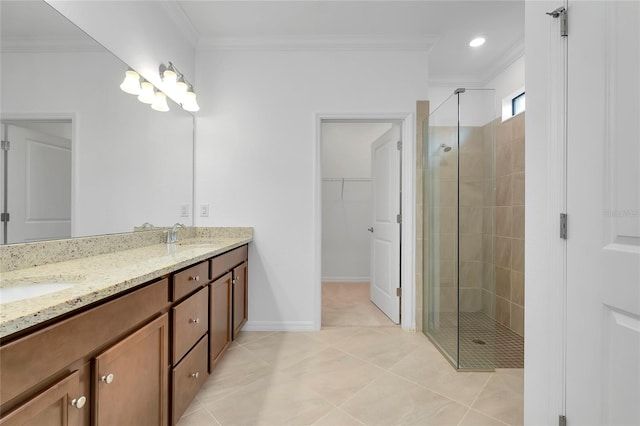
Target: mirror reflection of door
[36, 181]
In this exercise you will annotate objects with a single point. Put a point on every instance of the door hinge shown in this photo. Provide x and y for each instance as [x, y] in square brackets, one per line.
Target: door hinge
[399, 144]
[5, 145]
[399, 292]
[561, 13]
[4, 217]
[562, 420]
[563, 226]
[399, 218]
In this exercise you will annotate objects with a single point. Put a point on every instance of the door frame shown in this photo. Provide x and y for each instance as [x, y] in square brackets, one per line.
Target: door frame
[406, 120]
[53, 117]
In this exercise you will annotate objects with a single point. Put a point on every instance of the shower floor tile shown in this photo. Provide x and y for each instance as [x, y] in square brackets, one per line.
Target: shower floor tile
[484, 342]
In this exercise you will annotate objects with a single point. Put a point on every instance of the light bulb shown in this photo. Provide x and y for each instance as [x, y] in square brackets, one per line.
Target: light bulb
[131, 82]
[190, 103]
[476, 42]
[169, 77]
[180, 91]
[146, 95]
[160, 102]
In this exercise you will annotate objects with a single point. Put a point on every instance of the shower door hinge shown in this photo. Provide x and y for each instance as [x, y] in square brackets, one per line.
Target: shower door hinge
[562, 420]
[563, 226]
[4, 217]
[399, 218]
[561, 13]
[6, 145]
[399, 144]
[399, 292]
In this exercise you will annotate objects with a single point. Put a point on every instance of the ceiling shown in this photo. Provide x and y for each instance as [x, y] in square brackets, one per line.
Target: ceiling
[445, 27]
[451, 24]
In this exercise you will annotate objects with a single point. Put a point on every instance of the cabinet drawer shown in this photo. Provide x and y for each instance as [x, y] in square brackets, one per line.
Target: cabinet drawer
[190, 322]
[188, 377]
[190, 279]
[23, 364]
[225, 262]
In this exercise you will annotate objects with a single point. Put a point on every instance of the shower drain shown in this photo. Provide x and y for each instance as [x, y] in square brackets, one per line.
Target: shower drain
[479, 342]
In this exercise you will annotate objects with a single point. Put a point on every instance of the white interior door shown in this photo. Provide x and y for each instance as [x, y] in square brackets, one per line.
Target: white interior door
[385, 236]
[603, 206]
[39, 185]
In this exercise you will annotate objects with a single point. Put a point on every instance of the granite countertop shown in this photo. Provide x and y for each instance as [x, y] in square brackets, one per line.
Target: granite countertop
[97, 277]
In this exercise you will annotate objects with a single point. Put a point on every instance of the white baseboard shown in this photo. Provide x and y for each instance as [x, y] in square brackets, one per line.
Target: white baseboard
[279, 326]
[346, 279]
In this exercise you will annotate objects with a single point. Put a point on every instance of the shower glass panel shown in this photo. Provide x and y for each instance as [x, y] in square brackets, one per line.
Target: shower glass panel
[459, 185]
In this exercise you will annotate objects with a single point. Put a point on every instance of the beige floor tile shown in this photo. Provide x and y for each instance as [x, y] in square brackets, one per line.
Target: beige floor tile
[334, 375]
[250, 336]
[331, 335]
[237, 368]
[281, 350]
[193, 407]
[391, 400]
[348, 305]
[474, 418]
[337, 417]
[378, 346]
[198, 418]
[272, 400]
[429, 369]
[502, 397]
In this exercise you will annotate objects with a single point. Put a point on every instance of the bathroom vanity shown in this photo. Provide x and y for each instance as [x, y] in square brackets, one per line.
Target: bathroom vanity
[134, 348]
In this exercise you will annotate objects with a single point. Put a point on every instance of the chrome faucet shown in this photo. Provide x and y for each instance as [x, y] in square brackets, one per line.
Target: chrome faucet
[172, 236]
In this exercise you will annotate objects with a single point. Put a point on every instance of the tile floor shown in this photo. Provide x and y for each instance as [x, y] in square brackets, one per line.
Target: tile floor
[350, 375]
[348, 305]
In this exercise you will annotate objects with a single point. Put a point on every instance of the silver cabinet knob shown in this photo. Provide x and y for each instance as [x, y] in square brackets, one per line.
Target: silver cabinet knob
[107, 379]
[194, 320]
[196, 278]
[79, 402]
[195, 375]
[370, 229]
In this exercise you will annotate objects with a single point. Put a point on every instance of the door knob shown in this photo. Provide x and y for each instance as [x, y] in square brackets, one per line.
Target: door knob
[370, 229]
[79, 402]
[107, 379]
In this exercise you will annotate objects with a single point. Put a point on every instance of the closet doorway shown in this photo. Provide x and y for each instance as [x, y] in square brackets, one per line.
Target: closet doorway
[361, 199]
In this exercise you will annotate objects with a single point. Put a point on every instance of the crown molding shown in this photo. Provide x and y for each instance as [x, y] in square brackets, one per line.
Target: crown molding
[515, 52]
[174, 11]
[422, 43]
[49, 44]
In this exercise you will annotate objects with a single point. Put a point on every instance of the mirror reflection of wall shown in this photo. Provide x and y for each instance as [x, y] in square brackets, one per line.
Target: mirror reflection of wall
[128, 164]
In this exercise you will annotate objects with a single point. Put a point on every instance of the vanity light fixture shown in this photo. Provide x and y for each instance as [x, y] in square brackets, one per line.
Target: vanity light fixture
[190, 104]
[147, 93]
[160, 102]
[179, 89]
[131, 83]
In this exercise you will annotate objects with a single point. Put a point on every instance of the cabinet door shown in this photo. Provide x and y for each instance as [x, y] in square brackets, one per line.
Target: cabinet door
[131, 378]
[58, 405]
[220, 317]
[190, 322]
[240, 297]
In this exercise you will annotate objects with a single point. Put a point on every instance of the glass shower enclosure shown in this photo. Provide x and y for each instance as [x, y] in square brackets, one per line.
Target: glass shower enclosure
[459, 227]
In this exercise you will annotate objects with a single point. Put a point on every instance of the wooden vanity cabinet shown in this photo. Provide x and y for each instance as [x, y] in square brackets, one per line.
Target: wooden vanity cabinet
[220, 317]
[240, 297]
[130, 378]
[58, 405]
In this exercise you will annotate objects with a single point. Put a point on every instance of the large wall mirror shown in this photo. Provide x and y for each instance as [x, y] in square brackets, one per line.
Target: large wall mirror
[84, 157]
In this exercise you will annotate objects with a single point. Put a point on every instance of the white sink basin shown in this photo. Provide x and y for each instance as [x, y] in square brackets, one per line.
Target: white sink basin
[13, 294]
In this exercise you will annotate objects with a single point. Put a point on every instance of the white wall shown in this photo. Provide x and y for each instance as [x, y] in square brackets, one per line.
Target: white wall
[346, 205]
[257, 155]
[131, 164]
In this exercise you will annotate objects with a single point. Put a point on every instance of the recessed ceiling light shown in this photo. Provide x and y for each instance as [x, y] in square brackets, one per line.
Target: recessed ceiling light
[478, 41]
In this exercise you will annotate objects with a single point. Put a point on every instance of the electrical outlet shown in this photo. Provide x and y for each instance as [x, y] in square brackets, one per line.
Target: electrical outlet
[184, 210]
[204, 210]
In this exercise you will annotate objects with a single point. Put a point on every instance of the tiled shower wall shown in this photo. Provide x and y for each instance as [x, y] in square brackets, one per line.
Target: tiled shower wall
[506, 303]
[491, 224]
